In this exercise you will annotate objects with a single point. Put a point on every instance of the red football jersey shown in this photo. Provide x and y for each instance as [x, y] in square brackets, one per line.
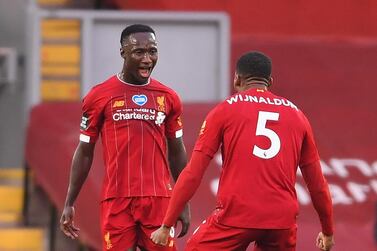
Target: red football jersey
[264, 138]
[134, 122]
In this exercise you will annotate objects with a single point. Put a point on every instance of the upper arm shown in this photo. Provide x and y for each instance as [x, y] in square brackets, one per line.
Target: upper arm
[92, 118]
[174, 124]
[211, 133]
[309, 152]
[83, 156]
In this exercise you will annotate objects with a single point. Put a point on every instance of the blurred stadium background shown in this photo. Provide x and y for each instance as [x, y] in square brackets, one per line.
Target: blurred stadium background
[52, 51]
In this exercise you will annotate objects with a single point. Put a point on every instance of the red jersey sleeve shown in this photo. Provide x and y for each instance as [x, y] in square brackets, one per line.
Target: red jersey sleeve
[210, 134]
[309, 152]
[174, 125]
[315, 181]
[92, 118]
[320, 195]
[187, 183]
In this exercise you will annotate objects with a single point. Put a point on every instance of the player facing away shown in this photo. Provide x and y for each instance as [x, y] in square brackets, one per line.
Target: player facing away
[263, 139]
[139, 120]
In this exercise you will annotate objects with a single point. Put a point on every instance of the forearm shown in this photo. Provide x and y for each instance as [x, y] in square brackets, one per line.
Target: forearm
[320, 195]
[177, 157]
[177, 163]
[81, 164]
[187, 183]
[323, 205]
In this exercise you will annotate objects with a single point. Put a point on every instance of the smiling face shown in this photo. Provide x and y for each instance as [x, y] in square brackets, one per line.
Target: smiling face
[139, 51]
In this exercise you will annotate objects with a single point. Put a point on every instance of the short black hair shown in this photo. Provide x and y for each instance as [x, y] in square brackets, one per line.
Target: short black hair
[135, 28]
[254, 64]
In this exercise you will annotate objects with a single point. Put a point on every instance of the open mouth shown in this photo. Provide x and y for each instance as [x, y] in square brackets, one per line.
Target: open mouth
[145, 72]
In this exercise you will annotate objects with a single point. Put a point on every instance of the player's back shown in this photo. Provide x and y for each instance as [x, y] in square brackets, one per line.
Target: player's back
[262, 137]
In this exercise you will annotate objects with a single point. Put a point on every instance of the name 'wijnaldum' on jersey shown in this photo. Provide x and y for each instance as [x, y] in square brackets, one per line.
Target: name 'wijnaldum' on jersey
[257, 99]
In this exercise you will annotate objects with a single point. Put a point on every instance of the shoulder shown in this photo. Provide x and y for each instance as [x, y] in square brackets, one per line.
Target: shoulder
[102, 86]
[292, 105]
[304, 119]
[221, 110]
[162, 87]
[169, 93]
[106, 84]
[98, 91]
[300, 115]
[286, 102]
[230, 102]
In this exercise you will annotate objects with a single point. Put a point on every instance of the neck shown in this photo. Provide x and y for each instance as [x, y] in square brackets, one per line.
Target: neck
[123, 78]
[251, 82]
[256, 84]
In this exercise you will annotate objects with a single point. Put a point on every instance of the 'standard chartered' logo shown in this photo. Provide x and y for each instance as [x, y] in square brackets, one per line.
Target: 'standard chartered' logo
[140, 114]
[140, 99]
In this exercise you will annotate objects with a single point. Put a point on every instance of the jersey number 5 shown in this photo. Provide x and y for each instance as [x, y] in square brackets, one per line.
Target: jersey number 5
[274, 149]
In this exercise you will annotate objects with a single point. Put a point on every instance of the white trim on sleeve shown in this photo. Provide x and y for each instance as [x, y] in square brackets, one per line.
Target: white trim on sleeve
[179, 133]
[84, 138]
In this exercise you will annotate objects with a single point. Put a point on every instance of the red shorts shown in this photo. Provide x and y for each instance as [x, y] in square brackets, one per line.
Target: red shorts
[129, 222]
[211, 235]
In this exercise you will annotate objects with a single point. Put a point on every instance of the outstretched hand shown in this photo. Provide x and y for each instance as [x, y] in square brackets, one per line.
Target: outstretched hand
[66, 223]
[325, 242]
[184, 218]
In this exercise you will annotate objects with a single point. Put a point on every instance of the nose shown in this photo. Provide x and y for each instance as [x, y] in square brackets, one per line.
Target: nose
[147, 58]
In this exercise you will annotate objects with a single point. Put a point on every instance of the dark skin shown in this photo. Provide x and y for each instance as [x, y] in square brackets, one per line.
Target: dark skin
[81, 164]
[139, 51]
[242, 83]
[140, 55]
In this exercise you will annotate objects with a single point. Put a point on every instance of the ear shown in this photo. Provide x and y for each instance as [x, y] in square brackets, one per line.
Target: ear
[236, 82]
[122, 53]
[270, 81]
